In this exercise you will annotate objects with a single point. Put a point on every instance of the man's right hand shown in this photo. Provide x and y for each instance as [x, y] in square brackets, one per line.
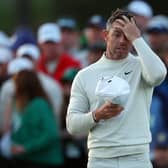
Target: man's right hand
[107, 110]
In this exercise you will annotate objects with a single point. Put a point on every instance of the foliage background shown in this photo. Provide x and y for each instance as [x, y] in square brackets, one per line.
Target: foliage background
[34, 12]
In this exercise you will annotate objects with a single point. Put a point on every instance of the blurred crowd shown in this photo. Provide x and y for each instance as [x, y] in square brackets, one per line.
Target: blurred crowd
[36, 74]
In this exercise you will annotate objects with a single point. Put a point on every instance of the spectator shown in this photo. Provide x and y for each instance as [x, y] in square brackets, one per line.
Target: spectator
[159, 116]
[93, 30]
[6, 102]
[53, 61]
[32, 53]
[75, 151]
[71, 39]
[157, 31]
[36, 140]
[8, 90]
[95, 52]
[163, 53]
[69, 33]
[142, 12]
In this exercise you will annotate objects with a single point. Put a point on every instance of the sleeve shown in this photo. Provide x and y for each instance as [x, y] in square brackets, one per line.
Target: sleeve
[6, 98]
[57, 98]
[78, 119]
[153, 69]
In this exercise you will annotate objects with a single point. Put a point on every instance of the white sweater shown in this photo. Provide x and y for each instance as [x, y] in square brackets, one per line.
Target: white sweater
[129, 133]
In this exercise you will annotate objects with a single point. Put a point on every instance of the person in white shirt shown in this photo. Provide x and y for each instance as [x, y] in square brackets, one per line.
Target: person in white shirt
[31, 53]
[119, 133]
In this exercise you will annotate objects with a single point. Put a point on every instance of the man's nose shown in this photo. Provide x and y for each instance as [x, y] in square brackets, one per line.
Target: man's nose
[123, 39]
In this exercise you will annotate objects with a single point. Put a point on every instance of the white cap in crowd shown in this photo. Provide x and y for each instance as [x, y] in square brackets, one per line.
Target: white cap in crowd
[5, 55]
[30, 50]
[49, 32]
[68, 23]
[140, 8]
[158, 24]
[18, 65]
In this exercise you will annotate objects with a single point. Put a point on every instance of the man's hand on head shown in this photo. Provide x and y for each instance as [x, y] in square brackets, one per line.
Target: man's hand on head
[129, 28]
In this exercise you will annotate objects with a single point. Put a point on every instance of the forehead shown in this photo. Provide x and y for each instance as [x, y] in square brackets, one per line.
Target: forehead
[115, 26]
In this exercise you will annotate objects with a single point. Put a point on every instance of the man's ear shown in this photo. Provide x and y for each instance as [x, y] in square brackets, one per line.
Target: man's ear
[105, 33]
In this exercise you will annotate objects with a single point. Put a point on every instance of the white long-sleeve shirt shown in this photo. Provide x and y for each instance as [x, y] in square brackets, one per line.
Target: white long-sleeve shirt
[128, 133]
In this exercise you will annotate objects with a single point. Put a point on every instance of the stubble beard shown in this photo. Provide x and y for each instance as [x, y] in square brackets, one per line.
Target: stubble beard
[116, 55]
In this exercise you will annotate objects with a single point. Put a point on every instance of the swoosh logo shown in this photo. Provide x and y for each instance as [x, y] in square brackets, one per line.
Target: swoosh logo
[126, 73]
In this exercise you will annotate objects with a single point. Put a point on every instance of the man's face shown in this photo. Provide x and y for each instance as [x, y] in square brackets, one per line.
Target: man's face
[93, 35]
[156, 40]
[117, 44]
[69, 38]
[51, 50]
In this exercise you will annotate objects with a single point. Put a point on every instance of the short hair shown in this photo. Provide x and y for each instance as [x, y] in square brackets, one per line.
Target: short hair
[117, 14]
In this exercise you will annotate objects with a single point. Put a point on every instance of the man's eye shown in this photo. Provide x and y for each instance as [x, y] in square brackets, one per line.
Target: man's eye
[117, 34]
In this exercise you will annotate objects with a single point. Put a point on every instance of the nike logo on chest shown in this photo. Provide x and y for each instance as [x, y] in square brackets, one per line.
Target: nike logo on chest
[128, 72]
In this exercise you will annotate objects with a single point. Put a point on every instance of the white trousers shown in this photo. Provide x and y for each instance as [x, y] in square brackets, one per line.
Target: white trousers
[129, 161]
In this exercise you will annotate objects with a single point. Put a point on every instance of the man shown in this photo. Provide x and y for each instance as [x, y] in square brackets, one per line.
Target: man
[32, 53]
[157, 31]
[142, 11]
[69, 34]
[93, 30]
[95, 52]
[53, 61]
[119, 135]
[71, 39]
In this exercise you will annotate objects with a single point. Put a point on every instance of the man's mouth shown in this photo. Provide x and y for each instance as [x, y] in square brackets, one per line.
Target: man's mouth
[121, 49]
